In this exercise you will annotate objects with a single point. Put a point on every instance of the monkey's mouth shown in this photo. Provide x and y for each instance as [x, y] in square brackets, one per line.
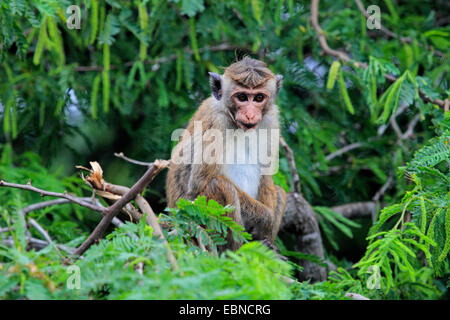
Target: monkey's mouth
[247, 126]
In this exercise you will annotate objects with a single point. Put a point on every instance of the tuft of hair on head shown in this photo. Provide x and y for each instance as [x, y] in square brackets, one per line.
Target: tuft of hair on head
[250, 73]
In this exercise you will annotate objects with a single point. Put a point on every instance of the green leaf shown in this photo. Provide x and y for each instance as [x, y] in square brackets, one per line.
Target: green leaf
[334, 69]
[94, 21]
[42, 40]
[193, 37]
[258, 9]
[344, 94]
[446, 250]
[191, 7]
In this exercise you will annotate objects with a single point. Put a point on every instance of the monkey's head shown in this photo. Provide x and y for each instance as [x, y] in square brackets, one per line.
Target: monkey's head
[247, 90]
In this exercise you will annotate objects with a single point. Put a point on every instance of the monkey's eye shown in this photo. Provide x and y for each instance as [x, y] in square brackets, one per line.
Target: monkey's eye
[242, 97]
[259, 97]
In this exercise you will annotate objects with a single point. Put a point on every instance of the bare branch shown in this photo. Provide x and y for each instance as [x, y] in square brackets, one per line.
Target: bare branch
[42, 231]
[3, 230]
[383, 189]
[410, 130]
[45, 204]
[113, 210]
[38, 244]
[396, 128]
[43, 193]
[338, 153]
[343, 150]
[150, 217]
[140, 163]
[356, 209]
[321, 34]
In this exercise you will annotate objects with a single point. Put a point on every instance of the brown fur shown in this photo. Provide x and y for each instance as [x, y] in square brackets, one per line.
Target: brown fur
[249, 72]
[261, 216]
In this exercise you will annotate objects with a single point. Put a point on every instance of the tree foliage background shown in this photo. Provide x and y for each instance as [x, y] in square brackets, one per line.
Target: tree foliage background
[137, 70]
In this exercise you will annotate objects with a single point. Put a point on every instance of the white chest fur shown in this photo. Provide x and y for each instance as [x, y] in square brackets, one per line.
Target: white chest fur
[245, 176]
[244, 170]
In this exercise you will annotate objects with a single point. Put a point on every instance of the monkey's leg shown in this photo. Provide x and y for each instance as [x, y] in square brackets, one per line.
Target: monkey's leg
[225, 193]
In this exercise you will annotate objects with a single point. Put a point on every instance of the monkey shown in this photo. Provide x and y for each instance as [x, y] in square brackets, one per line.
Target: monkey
[242, 103]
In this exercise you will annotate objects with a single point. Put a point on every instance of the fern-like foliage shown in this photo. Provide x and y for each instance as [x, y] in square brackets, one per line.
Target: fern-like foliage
[207, 221]
[437, 150]
[330, 221]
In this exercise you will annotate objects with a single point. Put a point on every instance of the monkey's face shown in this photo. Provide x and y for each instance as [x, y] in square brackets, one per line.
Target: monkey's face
[249, 105]
[246, 91]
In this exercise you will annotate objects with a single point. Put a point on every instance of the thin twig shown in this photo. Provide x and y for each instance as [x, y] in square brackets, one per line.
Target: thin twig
[383, 189]
[42, 231]
[43, 193]
[400, 110]
[140, 163]
[396, 128]
[45, 204]
[410, 130]
[39, 244]
[343, 150]
[3, 230]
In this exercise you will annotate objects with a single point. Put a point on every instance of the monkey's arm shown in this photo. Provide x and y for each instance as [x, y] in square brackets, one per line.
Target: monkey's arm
[259, 218]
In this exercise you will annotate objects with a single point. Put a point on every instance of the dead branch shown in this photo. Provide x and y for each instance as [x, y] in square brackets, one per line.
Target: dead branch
[45, 204]
[43, 232]
[38, 244]
[44, 193]
[140, 163]
[113, 210]
[109, 190]
[345, 58]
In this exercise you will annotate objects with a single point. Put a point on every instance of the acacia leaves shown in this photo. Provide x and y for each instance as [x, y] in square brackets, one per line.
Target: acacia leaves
[207, 221]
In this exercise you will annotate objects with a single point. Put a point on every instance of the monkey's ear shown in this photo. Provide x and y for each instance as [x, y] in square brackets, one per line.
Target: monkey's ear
[279, 81]
[216, 85]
